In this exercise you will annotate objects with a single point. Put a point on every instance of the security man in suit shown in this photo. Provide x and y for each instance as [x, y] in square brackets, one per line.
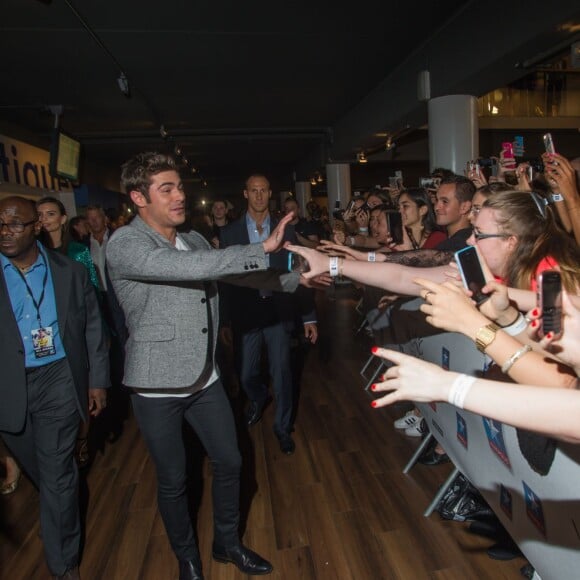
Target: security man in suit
[55, 368]
[161, 279]
[258, 317]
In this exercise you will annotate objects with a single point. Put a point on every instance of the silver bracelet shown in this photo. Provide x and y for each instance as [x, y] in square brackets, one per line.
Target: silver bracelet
[509, 363]
[372, 257]
[459, 390]
[333, 266]
[516, 327]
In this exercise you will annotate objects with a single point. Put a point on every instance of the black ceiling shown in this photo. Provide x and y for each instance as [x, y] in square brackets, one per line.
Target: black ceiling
[281, 87]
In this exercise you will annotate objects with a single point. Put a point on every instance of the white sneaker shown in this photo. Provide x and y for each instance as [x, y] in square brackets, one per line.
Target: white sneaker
[407, 421]
[417, 429]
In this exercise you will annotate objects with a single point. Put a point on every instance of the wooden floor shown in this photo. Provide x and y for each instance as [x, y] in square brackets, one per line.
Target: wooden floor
[339, 508]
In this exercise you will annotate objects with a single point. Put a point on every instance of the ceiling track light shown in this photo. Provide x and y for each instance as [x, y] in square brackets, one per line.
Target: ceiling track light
[312, 181]
[361, 158]
[319, 178]
[123, 83]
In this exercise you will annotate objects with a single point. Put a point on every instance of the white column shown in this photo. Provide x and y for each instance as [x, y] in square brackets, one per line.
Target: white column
[338, 185]
[453, 132]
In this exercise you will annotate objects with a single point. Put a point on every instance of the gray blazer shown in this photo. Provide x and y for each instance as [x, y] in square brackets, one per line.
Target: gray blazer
[164, 294]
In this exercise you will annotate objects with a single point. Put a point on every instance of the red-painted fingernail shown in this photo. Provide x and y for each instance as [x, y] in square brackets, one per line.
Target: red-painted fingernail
[550, 335]
[374, 404]
[373, 387]
[535, 312]
[374, 349]
[534, 323]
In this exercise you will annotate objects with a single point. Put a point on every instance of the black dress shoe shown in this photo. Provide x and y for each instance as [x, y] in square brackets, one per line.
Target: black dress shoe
[504, 550]
[254, 411]
[287, 444]
[190, 570]
[431, 457]
[247, 561]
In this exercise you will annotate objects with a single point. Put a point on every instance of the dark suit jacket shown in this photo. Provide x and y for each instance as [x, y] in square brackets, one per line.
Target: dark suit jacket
[243, 307]
[81, 330]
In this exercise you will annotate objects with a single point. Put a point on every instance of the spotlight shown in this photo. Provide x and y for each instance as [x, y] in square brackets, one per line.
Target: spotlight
[389, 144]
[163, 132]
[312, 181]
[361, 157]
[123, 83]
[319, 178]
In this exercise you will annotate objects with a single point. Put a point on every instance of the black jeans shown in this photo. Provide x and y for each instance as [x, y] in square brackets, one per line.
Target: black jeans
[210, 415]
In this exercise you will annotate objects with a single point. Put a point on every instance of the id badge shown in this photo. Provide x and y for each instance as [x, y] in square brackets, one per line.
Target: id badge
[43, 342]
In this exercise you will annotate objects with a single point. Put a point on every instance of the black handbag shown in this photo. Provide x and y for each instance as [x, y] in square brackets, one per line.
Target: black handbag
[462, 502]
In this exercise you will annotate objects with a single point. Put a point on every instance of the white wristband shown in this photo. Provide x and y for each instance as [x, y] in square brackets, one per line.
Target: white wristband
[517, 327]
[557, 197]
[352, 240]
[459, 389]
[372, 257]
[333, 266]
[363, 230]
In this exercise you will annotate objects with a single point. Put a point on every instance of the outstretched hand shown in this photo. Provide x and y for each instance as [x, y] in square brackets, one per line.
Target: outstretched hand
[410, 379]
[317, 261]
[276, 239]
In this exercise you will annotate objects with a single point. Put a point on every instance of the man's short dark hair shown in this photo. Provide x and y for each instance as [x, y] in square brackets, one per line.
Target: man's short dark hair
[464, 188]
[137, 172]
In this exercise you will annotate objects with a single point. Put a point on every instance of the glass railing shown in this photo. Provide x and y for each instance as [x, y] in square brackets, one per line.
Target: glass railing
[551, 93]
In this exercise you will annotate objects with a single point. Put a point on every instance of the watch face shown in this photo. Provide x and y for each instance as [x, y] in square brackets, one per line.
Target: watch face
[485, 336]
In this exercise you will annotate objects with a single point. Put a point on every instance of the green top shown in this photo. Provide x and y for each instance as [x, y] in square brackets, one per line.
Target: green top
[80, 253]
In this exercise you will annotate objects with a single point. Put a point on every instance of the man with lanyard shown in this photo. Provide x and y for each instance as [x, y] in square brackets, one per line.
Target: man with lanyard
[53, 350]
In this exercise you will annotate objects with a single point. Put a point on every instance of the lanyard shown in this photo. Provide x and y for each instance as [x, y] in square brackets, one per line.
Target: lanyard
[44, 280]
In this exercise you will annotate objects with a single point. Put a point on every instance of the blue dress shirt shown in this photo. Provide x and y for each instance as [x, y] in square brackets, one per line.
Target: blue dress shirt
[25, 310]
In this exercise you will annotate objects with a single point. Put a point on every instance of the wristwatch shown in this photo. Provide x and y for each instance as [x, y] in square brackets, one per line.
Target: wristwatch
[485, 336]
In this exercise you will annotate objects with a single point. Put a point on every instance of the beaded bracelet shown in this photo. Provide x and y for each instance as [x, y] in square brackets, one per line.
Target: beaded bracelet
[509, 363]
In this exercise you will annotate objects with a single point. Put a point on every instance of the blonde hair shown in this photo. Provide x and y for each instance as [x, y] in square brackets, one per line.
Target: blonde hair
[527, 216]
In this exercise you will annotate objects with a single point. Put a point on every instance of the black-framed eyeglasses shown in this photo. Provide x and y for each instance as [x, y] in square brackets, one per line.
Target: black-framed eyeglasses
[479, 236]
[16, 228]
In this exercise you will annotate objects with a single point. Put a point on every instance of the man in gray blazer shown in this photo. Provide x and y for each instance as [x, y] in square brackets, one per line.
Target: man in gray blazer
[54, 363]
[161, 279]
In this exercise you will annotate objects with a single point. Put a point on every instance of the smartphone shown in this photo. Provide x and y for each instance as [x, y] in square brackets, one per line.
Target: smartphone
[471, 273]
[519, 146]
[549, 143]
[550, 301]
[395, 225]
[508, 155]
[296, 263]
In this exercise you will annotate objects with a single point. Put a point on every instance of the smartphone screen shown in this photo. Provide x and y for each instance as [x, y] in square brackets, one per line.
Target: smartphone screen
[296, 263]
[471, 273]
[549, 143]
[550, 301]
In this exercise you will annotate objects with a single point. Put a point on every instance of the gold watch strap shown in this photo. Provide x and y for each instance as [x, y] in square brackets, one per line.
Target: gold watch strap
[485, 336]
